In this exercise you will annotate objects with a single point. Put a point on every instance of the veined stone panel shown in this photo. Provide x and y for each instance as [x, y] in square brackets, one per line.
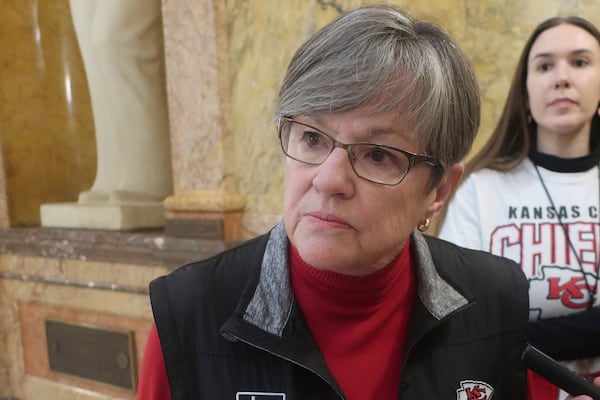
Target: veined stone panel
[46, 126]
[264, 37]
[103, 295]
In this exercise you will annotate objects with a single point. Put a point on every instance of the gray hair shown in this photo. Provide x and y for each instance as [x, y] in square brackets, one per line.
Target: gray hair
[379, 59]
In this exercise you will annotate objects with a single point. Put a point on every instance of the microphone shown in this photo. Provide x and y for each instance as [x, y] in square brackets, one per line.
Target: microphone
[557, 373]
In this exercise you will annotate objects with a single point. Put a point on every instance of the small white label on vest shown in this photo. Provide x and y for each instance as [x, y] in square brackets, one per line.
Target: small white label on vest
[259, 396]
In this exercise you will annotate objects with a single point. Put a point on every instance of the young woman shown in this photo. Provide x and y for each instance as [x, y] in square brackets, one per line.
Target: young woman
[532, 193]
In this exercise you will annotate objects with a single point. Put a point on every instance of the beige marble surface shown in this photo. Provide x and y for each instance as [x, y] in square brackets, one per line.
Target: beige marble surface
[197, 88]
[46, 125]
[105, 273]
[52, 288]
[206, 200]
[39, 388]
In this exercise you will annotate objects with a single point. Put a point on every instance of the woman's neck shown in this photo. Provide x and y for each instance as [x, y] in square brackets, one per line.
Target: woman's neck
[564, 144]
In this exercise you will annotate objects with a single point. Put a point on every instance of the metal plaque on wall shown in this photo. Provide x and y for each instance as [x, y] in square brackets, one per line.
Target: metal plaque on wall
[92, 353]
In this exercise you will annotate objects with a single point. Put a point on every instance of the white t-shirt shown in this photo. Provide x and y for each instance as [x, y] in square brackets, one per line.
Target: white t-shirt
[509, 214]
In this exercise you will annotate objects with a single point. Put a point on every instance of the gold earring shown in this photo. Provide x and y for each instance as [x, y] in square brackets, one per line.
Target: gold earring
[423, 226]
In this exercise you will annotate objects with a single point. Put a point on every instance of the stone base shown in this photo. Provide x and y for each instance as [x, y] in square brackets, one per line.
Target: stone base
[127, 216]
[205, 214]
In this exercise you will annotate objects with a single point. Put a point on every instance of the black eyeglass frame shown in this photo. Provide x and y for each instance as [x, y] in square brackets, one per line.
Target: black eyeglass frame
[413, 158]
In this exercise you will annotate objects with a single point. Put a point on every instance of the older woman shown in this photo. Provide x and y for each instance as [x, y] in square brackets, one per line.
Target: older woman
[345, 298]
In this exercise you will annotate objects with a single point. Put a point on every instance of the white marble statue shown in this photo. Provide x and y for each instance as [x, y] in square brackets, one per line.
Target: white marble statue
[122, 48]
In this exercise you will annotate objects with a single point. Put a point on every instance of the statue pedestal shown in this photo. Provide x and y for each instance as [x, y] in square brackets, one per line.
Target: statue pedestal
[205, 214]
[110, 216]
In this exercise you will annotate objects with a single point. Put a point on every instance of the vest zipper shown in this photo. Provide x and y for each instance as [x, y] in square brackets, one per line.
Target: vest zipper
[341, 396]
[414, 342]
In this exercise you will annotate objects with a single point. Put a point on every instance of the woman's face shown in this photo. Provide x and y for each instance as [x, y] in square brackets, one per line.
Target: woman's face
[563, 86]
[343, 223]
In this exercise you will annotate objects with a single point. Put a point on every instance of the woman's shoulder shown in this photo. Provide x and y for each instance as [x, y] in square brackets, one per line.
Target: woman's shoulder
[228, 269]
[462, 260]
[524, 167]
[481, 274]
[490, 178]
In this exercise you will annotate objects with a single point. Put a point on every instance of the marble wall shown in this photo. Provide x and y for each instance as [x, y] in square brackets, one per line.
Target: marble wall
[88, 278]
[105, 295]
[224, 62]
[46, 127]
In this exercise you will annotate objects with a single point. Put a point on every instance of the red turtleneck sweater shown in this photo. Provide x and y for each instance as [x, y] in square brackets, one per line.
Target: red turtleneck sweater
[359, 322]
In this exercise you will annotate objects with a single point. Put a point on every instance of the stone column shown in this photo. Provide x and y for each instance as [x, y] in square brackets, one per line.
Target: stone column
[205, 203]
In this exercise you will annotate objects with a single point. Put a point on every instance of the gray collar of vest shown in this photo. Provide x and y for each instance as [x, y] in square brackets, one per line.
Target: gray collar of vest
[271, 304]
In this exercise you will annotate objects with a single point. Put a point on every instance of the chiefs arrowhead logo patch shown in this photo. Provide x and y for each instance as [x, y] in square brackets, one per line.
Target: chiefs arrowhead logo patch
[474, 390]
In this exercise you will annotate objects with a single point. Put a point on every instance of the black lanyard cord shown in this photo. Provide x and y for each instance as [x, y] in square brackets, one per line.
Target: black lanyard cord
[589, 287]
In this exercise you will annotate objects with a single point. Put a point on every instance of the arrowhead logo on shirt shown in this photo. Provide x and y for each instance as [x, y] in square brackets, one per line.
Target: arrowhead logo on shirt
[474, 390]
[259, 396]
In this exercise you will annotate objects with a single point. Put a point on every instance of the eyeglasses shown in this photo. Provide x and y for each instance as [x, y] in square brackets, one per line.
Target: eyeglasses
[376, 163]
